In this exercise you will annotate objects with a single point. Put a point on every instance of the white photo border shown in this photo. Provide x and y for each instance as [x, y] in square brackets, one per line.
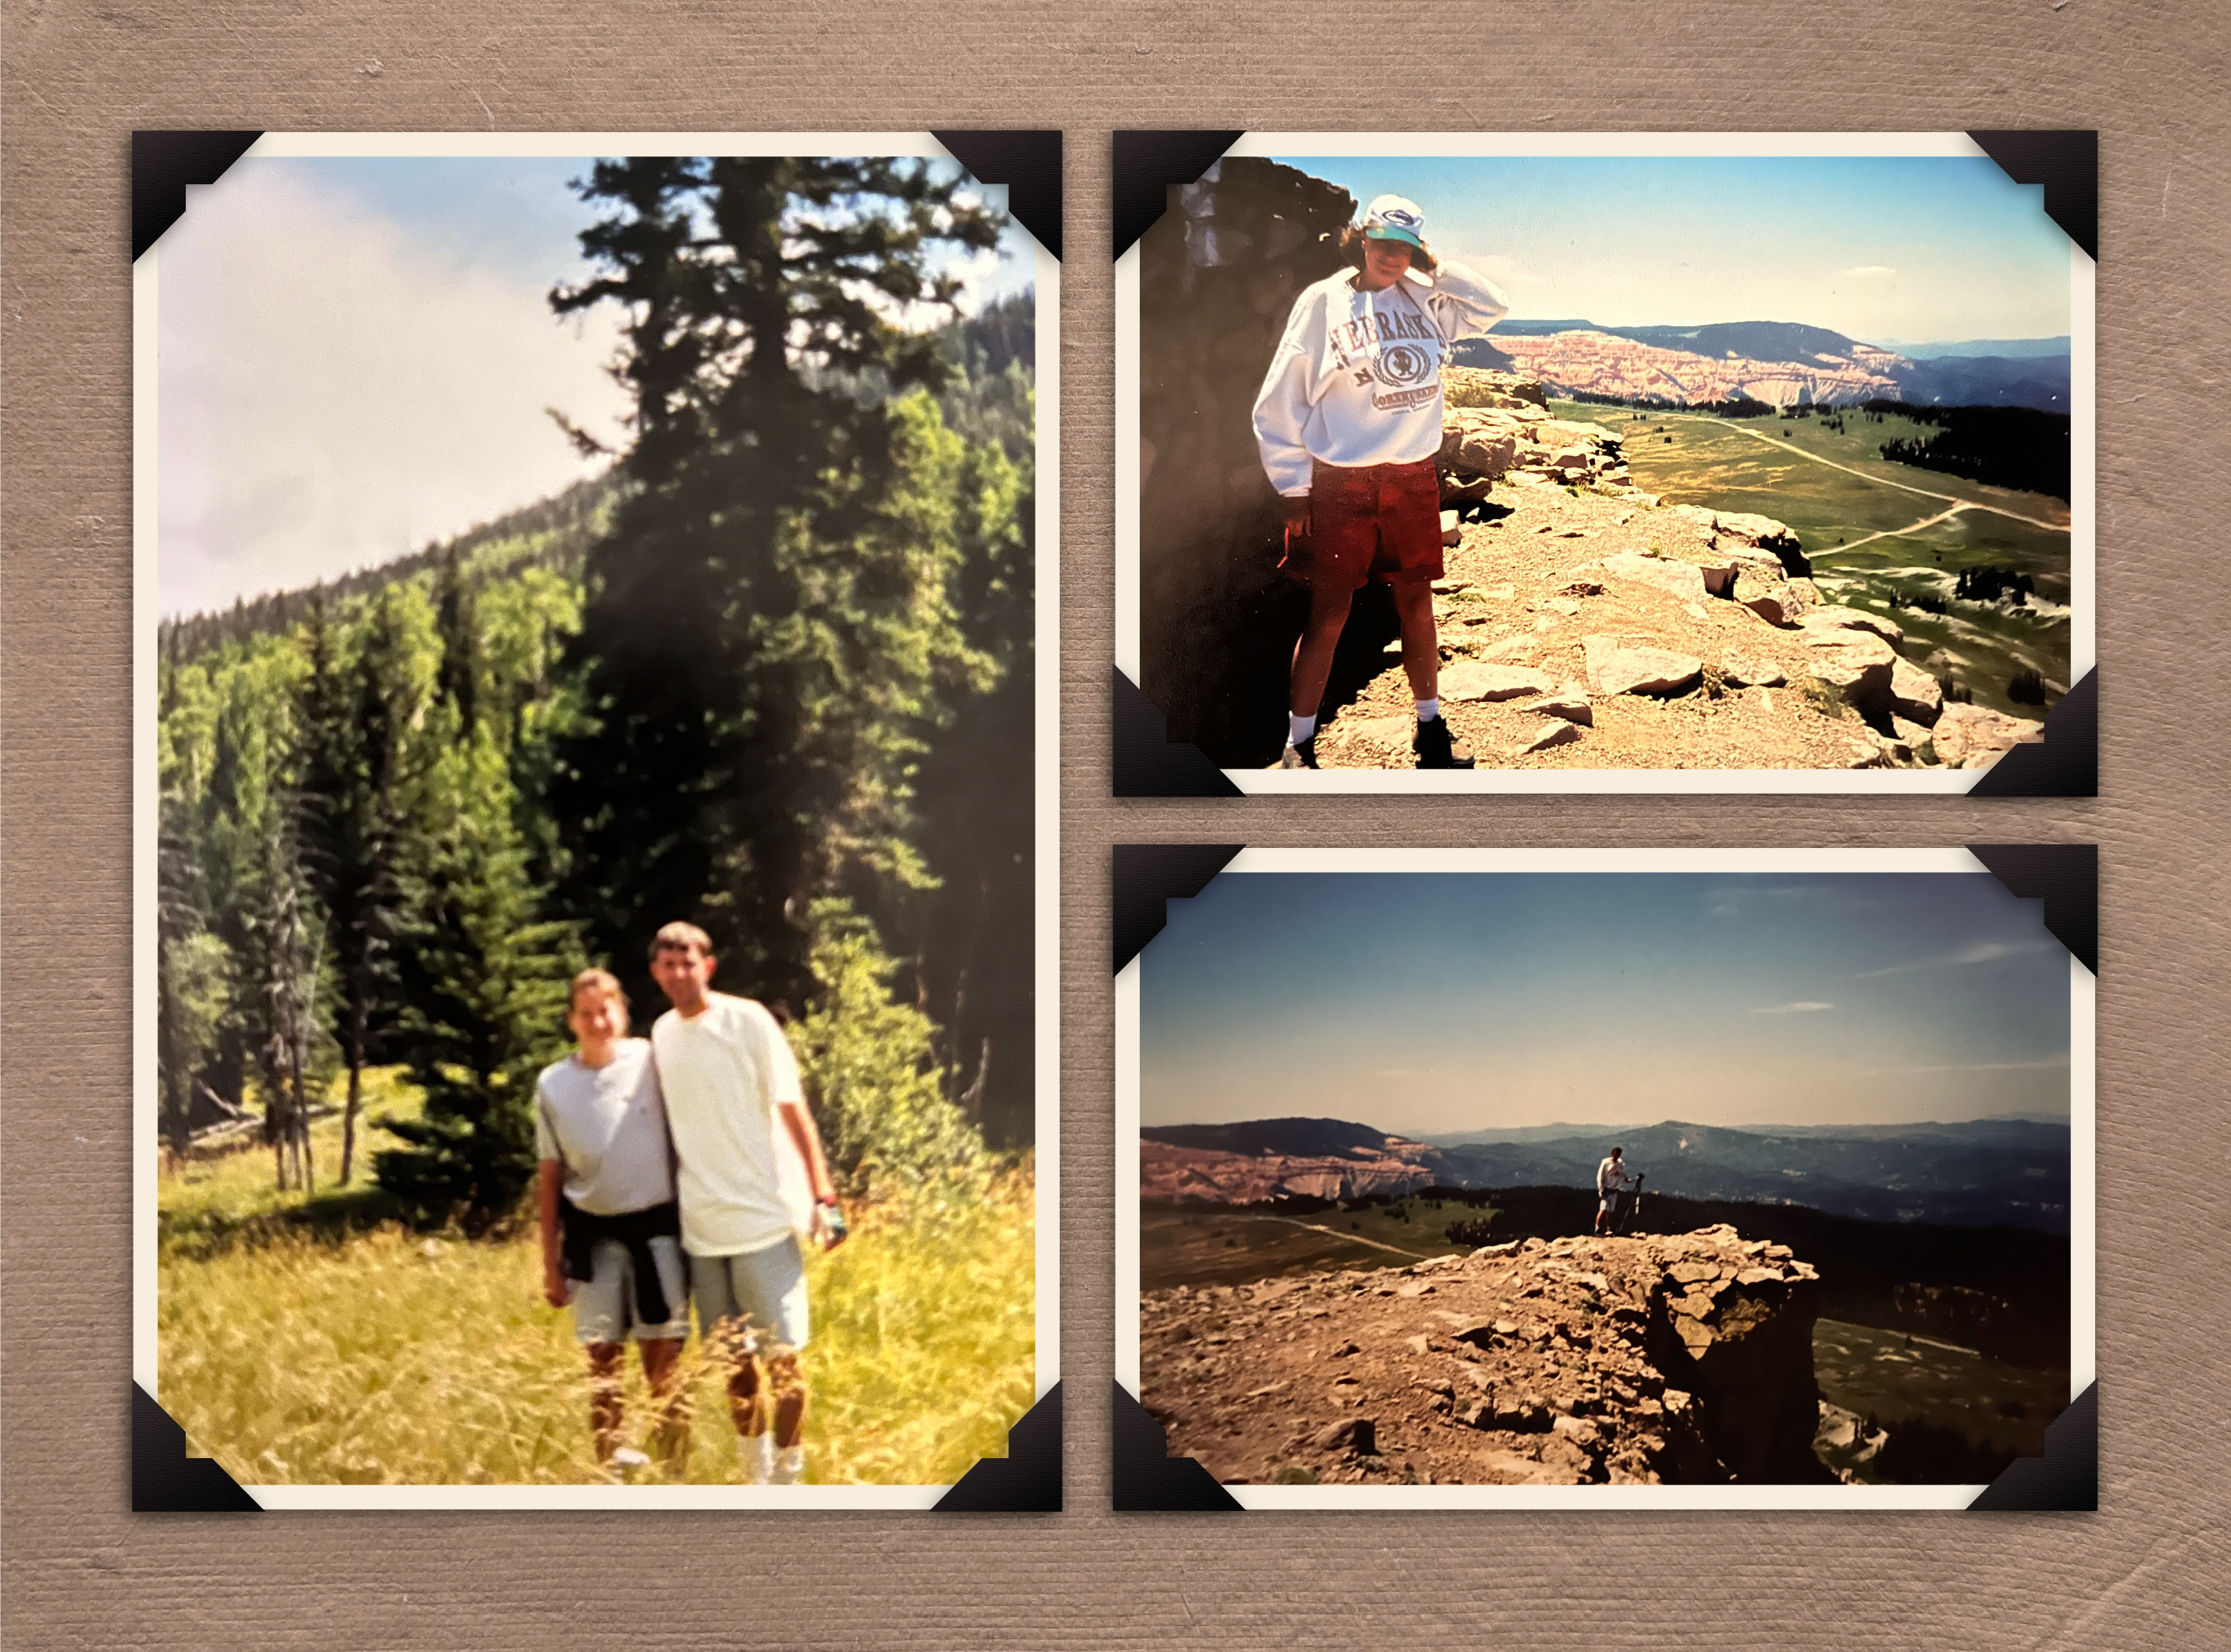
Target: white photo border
[2083, 273]
[2083, 1228]
[1046, 550]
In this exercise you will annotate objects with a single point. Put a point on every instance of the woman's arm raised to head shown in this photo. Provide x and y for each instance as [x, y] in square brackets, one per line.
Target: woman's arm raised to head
[1464, 302]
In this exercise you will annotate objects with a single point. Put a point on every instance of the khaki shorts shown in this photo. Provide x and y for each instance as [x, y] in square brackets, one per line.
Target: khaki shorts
[766, 1288]
[603, 1306]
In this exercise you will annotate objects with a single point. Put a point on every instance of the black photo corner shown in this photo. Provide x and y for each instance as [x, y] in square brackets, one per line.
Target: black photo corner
[1162, 748]
[2065, 877]
[164, 1477]
[1027, 1480]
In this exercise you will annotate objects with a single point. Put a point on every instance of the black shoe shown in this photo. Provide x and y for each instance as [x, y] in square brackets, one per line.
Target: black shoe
[1304, 755]
[1438, 747]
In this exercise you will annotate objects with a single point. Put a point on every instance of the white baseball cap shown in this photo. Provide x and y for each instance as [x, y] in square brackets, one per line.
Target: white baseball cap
[1394, 217]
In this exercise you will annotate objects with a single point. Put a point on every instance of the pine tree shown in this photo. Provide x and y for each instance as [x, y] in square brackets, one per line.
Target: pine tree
[483, 984]
[459, 681]
[291, 955]
[767, 619]
[178, 922]
[350, 720]
[974, 934]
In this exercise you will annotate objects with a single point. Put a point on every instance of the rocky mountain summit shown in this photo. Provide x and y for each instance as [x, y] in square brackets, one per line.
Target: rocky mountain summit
[1586, 623]
[1632, 1361]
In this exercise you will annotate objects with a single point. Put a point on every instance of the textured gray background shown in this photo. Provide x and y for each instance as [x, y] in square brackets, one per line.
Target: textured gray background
[82, 1571]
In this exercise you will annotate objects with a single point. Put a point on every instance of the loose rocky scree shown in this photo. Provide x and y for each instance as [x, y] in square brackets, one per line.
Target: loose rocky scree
[1584, 623]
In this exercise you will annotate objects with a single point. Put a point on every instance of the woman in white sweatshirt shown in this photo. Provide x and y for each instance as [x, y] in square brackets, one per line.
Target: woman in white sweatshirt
[1349, 423]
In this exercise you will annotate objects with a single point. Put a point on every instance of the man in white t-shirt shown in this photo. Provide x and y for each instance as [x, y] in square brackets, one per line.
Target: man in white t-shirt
[752, 1182]
[1610, 1187]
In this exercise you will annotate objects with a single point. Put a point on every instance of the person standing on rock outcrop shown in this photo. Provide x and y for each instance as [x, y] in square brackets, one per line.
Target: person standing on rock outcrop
[1349, 423]
[1611, 1180]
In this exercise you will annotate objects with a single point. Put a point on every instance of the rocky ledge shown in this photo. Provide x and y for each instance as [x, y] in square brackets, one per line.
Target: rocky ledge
[1633, 1361]
[1586, 623]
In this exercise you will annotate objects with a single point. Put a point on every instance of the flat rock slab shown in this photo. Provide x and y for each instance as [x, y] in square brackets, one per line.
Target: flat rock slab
[1614, 668]
[1484, 680]
[1856, 619]
[1568, 702]
[1682, 579]
[1556, 731]
[1976, 737]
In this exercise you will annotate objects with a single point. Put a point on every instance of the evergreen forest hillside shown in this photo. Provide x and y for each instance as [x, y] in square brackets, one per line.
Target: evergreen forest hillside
[771, 673]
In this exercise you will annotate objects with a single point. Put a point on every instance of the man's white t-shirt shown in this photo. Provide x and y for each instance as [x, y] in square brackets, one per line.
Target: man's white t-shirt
[743, 1184]
[1610, 1177]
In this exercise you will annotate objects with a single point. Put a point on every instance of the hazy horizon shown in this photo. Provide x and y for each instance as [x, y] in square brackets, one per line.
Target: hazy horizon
[1926, 249]
[1439, 1004]
[356, 354]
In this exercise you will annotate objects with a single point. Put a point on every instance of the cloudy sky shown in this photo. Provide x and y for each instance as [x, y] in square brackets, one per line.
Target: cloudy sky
[1912, 249]
[1431, 1002]
[354, 357]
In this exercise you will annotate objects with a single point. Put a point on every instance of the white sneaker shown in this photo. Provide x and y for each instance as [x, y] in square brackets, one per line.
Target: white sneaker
[628, 1457]
[757, 1451]
[790, 1467]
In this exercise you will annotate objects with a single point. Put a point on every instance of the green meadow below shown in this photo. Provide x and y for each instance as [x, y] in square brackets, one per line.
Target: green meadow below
[1877, 533]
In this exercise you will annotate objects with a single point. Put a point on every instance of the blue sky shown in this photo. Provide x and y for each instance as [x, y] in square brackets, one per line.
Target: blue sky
[355, 356]
[1437, 1002]
[1914, 249]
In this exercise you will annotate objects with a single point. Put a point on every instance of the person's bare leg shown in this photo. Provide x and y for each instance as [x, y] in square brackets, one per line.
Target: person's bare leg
[1421, 643]
[746, 1402]
[605, 1403]
[1312, 653]
[786, 1375]
[662, 1361]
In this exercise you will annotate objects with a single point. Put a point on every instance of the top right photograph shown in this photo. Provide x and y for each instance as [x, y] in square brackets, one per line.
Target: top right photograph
[1643, 463]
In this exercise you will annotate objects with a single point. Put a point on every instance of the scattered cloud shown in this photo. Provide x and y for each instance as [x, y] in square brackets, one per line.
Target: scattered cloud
[1800, 1007]
[1980, 952]
[335, 391]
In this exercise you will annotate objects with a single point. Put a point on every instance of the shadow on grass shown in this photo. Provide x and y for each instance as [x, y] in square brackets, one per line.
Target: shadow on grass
[329, 1217]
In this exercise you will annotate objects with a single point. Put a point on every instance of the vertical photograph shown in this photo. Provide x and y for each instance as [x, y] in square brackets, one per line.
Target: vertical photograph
[1641, 461]
[594, 994]
[1483, 1181]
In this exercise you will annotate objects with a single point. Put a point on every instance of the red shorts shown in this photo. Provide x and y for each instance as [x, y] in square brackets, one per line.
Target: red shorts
[1369, 522]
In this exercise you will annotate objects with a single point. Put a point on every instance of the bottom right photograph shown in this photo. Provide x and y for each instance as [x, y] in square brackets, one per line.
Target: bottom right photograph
[1540, 1179]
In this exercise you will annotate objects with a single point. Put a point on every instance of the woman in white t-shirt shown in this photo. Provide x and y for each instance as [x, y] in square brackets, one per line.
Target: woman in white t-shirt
[1349, 420]
[612, 1236]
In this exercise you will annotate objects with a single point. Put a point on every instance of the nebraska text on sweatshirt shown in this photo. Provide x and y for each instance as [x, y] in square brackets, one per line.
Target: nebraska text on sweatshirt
[1357, 378]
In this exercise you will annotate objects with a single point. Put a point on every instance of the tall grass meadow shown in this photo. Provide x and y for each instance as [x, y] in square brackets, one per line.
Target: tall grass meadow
[313, 1340]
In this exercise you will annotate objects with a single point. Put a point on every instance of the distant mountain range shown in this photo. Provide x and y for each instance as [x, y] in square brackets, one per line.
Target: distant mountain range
[2013, 1172]
[1784, 363]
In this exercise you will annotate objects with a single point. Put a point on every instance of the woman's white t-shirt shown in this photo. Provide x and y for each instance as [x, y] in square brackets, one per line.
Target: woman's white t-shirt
[725, 1072]
[1356, 380]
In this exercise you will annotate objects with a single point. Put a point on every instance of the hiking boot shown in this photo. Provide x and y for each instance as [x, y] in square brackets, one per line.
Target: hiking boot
[1304, 755]
[1438, 747]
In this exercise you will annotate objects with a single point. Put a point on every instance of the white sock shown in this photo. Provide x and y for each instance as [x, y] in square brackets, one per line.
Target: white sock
[1429, 709]
[757, 1452]
[1300, 730]
[790, 1467]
